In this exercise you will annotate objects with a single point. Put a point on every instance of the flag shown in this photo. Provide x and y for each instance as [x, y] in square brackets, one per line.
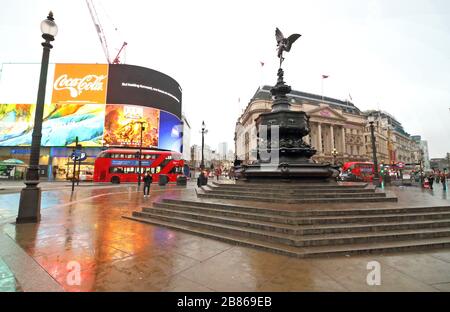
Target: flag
[262, 63]
[325, 76]
[350, 96]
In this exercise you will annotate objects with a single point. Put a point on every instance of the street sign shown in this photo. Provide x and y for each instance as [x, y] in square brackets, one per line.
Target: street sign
[78, 155]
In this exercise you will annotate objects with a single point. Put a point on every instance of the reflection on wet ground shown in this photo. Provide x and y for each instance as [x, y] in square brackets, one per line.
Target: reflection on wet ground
[8, 282]
[85, 232]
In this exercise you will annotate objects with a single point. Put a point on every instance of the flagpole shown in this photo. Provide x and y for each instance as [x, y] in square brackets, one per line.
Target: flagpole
[322, 89]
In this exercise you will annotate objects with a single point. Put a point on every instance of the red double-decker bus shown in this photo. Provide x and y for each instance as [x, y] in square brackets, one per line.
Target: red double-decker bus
[122, 165]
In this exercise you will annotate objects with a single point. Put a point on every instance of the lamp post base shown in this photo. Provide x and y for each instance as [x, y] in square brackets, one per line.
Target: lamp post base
[30, 204]
[376, 182]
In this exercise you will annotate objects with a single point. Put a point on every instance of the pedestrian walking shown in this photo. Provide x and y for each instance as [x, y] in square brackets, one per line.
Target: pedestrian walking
[218, 173]
[444, 181]
[431, 180]
[148, 179]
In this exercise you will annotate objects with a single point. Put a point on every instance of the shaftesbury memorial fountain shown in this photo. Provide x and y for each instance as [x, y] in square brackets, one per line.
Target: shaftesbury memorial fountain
[282, 154]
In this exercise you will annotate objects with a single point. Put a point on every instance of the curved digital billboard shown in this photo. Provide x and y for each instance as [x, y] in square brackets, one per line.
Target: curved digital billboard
[128, 84]
[98, 104]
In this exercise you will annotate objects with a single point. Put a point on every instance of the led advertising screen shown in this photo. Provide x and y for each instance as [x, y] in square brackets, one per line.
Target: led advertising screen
[128, 84]
[92, 102]
[123, 125]
[61, 124]
[80, 83]
[170, 137]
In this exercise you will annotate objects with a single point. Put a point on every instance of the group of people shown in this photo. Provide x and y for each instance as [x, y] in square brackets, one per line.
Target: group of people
[438, 177]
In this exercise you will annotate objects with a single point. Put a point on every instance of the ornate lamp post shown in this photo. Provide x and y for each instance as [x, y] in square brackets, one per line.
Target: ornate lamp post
[204, 131]
[376, 177]
[142, 128]
[334, 153]
[30, 196]
[421, 168]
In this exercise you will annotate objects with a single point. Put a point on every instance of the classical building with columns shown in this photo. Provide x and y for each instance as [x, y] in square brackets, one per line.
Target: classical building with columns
[334, 124]
[394, 144]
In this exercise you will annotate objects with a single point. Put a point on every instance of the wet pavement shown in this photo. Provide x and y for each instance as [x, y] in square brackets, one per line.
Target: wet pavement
[84, 244]
[8, 282]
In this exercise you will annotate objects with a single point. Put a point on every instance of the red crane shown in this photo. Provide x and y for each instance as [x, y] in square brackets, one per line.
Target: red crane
[101, 34]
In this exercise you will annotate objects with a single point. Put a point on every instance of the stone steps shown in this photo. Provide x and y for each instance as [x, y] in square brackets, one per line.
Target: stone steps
[308, 220]
[300, 240]
[234, 190]
[304, 212]
[281, 220]
[293, 200]
[295, 195]
[304, 252]
[302, 229]
[291, 186]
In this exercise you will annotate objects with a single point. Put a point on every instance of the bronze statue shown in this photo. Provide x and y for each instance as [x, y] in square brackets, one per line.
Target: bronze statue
[284, 44]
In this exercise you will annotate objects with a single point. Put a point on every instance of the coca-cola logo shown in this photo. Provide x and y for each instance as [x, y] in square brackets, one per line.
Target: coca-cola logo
[76, 86]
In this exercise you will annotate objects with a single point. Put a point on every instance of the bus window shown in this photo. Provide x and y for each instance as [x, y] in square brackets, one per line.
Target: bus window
[177, 170]
[129, 170]
[116, 170]
[158, 169]
[165, 162]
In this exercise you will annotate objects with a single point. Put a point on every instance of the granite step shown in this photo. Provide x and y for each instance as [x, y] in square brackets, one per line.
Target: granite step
[295, 195]
[306, 220]
[305, 252]
[290, 191]
[302, 230]
[276, 211]
[262, 198]
[294, 186]
[302, 240]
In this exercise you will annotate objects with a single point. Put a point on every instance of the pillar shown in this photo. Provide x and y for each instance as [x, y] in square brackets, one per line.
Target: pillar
[332, 137]
[319, 138]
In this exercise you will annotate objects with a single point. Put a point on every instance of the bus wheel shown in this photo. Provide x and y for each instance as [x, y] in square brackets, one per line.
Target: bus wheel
[115, 180]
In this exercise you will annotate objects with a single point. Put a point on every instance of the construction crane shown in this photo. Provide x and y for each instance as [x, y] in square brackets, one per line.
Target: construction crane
[101, 34]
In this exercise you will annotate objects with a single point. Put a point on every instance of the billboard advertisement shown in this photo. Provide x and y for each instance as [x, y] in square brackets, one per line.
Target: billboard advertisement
[80, 83]
[137, 85]
[123, 125]
[170, 137]
[94, 103]
[61, 124]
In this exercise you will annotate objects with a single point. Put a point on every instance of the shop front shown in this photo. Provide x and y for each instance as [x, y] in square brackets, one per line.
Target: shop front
[55, 163]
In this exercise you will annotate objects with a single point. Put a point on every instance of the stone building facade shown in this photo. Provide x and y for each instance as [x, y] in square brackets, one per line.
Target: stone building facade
[394, 144]
[335, 124]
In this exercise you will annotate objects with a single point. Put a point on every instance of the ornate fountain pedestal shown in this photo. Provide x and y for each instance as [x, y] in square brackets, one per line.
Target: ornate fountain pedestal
[282, 154]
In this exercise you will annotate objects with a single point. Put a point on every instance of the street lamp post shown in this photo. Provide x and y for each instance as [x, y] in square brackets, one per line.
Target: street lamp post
[334, 153]
[30, 196]
[376, 177]
[140, 152]
[204, 131]
[421, 168]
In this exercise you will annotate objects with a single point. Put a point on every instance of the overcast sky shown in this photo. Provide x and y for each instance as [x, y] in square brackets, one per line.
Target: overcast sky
[392, 55]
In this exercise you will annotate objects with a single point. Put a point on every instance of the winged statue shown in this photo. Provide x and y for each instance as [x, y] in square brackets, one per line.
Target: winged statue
[284, 44]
